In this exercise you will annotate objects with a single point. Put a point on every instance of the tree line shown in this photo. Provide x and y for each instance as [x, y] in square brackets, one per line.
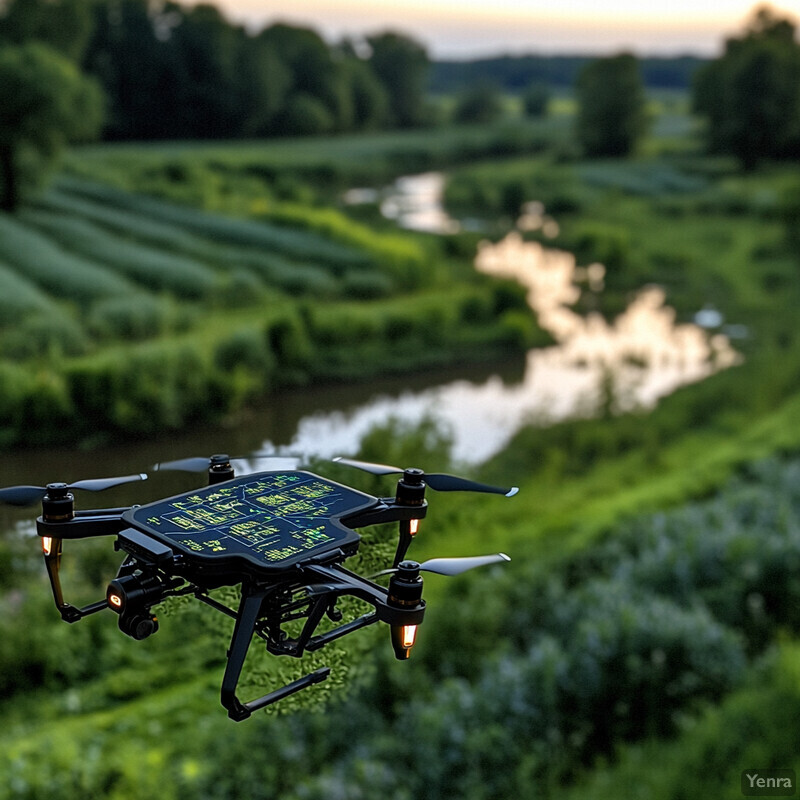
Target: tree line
[517, 73]
[172, 72]
[154, 69]
[748, 98]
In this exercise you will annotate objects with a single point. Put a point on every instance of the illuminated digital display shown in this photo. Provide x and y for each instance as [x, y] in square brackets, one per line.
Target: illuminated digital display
[275, 519]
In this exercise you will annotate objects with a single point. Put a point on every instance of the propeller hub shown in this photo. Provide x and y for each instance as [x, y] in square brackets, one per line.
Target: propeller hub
[58, 503]
[411, 488]
[413, 476]
[408, 570]
[219, 459]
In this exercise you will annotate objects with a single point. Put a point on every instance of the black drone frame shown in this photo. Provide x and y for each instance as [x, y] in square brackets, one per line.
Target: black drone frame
[306, 590]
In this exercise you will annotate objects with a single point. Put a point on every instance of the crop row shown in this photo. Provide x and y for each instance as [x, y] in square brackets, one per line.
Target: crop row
[172, 256]
[19, 297]
[293, 243]
[54, 269]
[153, 268]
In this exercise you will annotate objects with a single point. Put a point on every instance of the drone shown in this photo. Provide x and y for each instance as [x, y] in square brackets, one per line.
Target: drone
[282, 536]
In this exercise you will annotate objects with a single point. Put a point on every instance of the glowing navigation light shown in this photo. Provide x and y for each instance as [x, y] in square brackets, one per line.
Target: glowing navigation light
[403, 638]
[414, 527]
[409, 636]
[115, 600]
[47, 545]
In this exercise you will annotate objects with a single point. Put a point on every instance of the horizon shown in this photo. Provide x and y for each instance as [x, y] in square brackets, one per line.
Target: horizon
[476, 29]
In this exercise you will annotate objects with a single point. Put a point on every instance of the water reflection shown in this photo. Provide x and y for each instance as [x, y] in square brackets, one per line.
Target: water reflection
[641, 356]
[644, 351]
[415, 202]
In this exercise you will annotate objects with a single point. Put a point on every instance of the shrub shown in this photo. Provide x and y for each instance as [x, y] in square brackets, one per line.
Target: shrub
[52, 336]
[608, 244]
[244, 348]
[289, 343]
[536, 99]
[239, 288]
[131, 317]
[362, 285]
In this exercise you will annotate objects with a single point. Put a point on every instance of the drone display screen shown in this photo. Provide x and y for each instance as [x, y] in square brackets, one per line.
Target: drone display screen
[274, 519]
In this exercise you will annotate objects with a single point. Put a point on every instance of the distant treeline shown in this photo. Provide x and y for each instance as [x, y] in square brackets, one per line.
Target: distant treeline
[517, 73]
[170, 71]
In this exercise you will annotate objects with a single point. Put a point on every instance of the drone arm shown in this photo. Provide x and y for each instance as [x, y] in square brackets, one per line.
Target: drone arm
[388, 510]
[408, 530]
[341, 581]
[394, 509]
[52, 549]
[84, 525]
[318, 642]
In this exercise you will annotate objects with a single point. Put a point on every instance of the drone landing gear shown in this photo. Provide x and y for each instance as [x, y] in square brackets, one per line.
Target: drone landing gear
[51, 548]
[249, 610]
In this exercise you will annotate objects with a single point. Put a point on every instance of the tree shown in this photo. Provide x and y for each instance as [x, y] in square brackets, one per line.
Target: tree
[401, 65]
[535, 99]
[65, 25]
[44, 103]
[611, 106]
[480, 103]
[750, 96]
[207, 53]
[316, 81]
[139, 72]
[370, 102]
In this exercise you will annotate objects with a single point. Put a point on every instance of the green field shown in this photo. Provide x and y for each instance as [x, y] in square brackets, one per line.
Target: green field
[113, 294]
[643, 642]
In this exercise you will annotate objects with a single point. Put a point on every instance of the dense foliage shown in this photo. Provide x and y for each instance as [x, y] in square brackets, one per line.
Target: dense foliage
[174, 71]
[530, 674]
[611, 106]
[749, 95]
[44, 103]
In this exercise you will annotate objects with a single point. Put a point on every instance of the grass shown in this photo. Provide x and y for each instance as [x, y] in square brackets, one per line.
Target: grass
[354, 159]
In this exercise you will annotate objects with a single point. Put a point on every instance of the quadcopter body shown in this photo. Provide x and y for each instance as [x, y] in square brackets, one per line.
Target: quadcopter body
[282, 536]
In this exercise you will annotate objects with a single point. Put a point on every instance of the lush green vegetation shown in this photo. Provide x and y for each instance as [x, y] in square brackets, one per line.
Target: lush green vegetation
[526, 675]
[643, 640]
[116, 296]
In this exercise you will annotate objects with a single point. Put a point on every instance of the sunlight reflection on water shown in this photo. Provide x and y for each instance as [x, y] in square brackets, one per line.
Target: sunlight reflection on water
[642, 355]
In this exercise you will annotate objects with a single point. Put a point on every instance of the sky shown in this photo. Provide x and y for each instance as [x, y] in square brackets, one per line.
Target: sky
[463, 29]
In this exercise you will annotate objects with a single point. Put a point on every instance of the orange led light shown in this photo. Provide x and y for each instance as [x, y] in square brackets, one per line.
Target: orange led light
[414, 527]
[409, 636]
[47, 545]
[115, 600]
